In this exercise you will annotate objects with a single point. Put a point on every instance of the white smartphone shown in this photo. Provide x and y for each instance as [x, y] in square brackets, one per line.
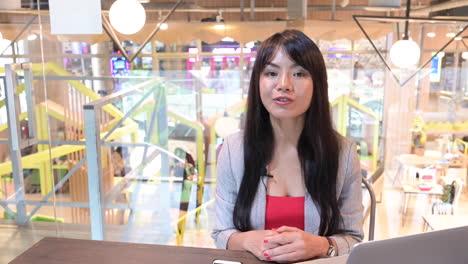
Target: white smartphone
[221, 261]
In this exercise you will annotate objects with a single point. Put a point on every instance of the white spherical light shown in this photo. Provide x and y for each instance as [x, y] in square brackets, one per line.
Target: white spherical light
[405, 53]
[465, 55]
[127, 16]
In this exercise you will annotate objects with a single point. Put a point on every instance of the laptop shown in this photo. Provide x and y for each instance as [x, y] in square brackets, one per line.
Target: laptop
[442, 246]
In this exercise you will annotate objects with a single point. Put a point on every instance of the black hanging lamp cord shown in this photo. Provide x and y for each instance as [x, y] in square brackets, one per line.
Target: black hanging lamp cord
[408, 8]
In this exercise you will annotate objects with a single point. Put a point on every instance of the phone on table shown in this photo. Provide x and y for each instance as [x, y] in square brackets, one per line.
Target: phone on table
[221, 261]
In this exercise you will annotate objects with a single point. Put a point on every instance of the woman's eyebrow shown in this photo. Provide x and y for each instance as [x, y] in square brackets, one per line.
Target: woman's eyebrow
[272, 65]
[277, 66]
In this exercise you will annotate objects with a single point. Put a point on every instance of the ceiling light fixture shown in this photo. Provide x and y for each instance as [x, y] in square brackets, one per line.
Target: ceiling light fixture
[450, 34]
[163, 26]
[431, 34]
[465, 55]
[127, 16]
[405, 52]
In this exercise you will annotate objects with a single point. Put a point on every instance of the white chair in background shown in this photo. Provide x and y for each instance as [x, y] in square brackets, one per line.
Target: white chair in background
[444, 207]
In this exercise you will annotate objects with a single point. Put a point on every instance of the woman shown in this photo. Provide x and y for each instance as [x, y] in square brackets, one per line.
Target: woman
[289, 187]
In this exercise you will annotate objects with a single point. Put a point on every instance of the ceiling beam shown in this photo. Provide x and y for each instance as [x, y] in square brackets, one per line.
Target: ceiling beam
[439, 7]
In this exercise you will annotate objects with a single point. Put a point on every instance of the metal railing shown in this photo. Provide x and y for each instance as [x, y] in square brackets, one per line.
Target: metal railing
[372, 209]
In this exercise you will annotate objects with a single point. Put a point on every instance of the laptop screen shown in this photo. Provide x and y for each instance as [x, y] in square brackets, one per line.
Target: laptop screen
[443, 246]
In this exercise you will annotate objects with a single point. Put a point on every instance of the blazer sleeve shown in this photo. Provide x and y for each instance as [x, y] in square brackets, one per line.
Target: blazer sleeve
[350, 202]
[225, 198]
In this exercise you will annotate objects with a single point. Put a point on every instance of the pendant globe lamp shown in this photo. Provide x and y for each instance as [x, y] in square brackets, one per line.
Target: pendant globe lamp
[127, 16]
[405, 52]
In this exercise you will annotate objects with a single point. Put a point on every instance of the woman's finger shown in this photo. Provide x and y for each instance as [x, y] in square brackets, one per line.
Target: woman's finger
[282, 238]
[279, 251]
[268, 245]
[270, 232]
[287, 229]
[286, 258]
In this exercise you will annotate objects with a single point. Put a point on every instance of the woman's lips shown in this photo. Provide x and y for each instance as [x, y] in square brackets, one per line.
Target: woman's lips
[281, 100]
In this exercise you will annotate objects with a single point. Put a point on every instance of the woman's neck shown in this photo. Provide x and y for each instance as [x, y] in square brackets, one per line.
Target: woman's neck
[287, 131]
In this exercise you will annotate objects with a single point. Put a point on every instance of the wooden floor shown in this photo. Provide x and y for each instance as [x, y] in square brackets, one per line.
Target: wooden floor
[155, 226]
[14, 240]
[390, 223]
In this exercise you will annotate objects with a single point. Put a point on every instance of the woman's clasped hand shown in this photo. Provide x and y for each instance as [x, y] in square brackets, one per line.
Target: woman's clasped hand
[290, 244]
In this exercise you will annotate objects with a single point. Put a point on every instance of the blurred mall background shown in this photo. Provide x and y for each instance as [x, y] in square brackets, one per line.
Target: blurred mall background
[111, 112]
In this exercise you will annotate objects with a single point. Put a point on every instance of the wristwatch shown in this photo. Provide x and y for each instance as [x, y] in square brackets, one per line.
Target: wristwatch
[331, 248]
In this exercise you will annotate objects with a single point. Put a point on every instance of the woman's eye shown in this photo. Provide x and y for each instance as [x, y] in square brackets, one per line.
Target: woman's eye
[300, 74]
[270, 74]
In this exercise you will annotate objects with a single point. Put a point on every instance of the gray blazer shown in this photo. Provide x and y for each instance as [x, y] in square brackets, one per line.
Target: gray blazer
[230, 171]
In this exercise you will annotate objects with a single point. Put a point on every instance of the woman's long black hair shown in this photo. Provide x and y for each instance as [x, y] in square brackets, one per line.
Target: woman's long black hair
[318, 146]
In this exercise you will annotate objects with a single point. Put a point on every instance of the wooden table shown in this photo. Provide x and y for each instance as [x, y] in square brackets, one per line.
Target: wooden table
[409, 190]
[438, 222]
[64, 250]
[411, 160]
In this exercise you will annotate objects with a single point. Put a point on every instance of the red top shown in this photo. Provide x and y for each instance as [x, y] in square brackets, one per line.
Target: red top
[284, 211]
